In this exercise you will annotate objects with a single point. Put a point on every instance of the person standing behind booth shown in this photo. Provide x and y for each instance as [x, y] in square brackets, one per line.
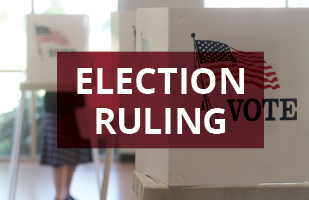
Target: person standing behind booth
[60, 130]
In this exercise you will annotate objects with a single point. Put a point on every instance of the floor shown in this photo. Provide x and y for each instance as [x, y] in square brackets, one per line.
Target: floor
[36, 182]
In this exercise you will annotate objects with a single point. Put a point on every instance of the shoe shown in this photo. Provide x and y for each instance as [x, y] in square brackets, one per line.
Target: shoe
[69, 198]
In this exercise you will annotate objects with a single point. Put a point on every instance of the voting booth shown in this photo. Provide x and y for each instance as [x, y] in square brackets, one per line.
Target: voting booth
[282, 35]
[47, 35]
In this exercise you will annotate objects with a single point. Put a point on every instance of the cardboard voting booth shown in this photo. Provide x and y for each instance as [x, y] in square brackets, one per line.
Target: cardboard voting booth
[49, 34]
[282, 35]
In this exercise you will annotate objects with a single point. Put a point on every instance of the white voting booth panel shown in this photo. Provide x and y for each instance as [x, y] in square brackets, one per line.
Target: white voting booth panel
[123, 26]
[123, 30]
[282, 34]
[49, 34]
[135, 4]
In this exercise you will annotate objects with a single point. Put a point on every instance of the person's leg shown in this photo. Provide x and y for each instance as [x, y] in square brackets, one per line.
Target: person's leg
[60, 175]
[71, 170]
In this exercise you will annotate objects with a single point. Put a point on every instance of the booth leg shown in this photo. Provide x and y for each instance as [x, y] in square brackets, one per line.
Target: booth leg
[107, 169]
[14, 161]
[33, 133]
[96, 158]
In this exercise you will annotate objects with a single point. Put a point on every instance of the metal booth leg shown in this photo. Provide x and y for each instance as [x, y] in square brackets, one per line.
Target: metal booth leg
[107, 169]
[96, 159]
[14, 161]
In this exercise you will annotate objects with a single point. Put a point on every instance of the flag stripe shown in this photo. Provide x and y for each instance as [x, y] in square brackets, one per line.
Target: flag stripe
[261, 79]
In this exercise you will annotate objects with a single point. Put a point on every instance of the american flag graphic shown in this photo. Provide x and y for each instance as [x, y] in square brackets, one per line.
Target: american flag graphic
[46, 35]
[216, 54]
